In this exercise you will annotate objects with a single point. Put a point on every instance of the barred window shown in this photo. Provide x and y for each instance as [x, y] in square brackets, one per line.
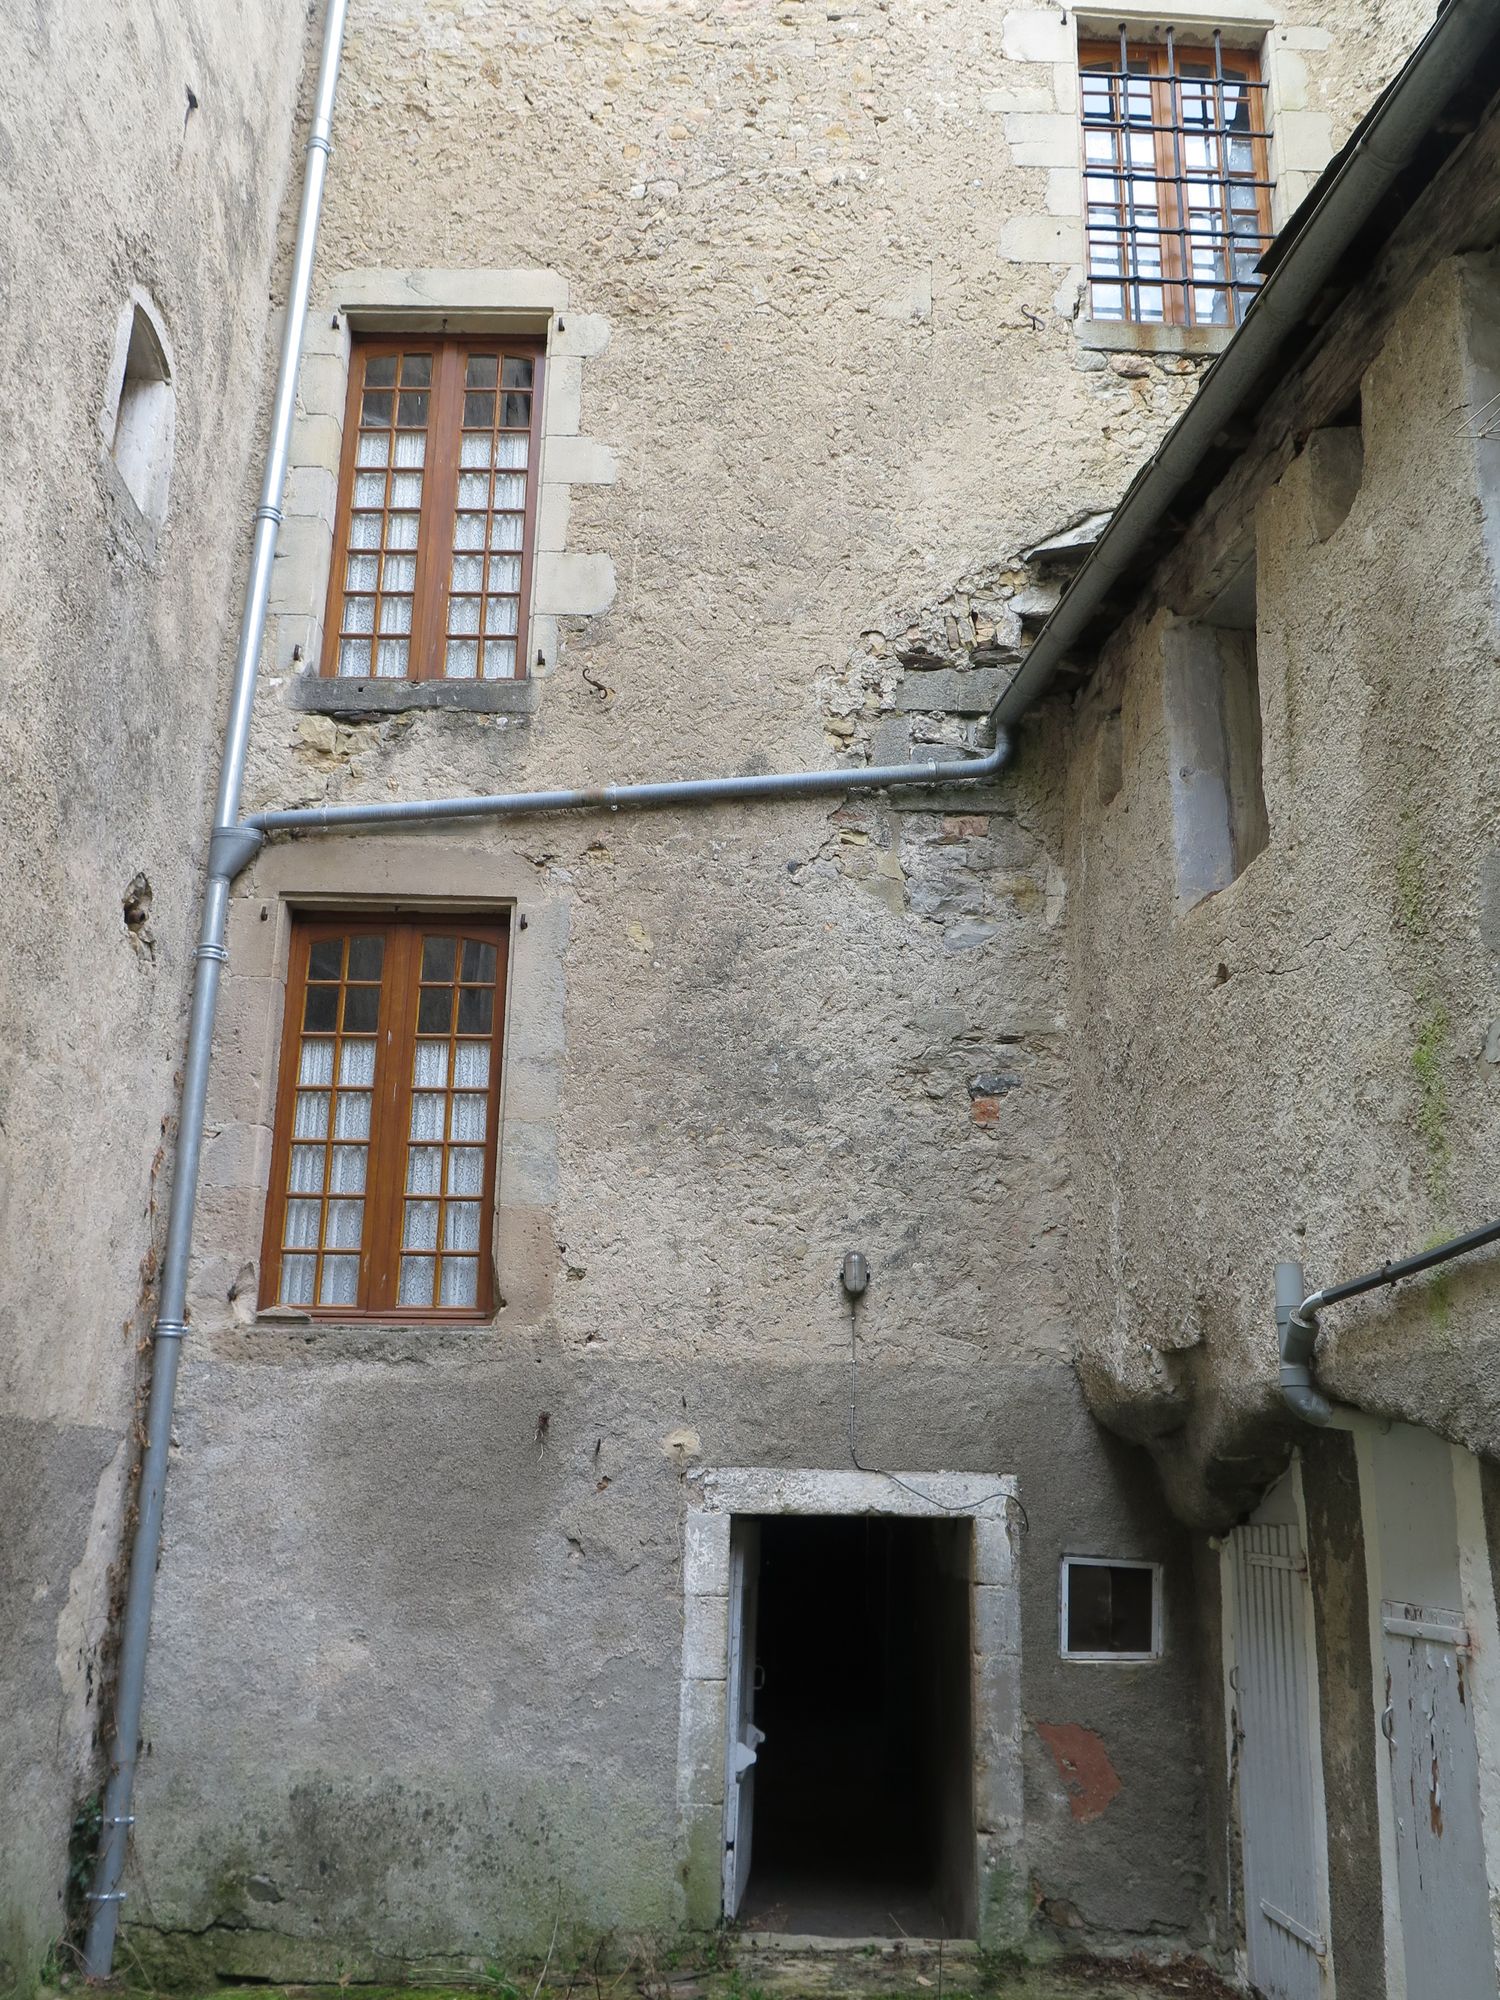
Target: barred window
[1177, 188]
[383, 1156]
[437, 499]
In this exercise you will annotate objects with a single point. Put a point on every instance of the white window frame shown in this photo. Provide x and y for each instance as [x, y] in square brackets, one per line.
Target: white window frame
[1109, 1562]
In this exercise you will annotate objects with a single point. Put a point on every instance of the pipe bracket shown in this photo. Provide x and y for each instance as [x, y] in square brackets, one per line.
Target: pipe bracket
[168, 1329]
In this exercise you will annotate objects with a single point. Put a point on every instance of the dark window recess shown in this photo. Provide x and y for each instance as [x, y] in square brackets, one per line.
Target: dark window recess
[1110, 1608]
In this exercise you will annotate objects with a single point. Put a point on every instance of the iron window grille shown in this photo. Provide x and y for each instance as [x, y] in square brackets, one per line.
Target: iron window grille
[1177, 184]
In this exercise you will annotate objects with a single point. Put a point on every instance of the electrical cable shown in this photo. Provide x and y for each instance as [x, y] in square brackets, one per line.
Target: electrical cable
[879, 1471]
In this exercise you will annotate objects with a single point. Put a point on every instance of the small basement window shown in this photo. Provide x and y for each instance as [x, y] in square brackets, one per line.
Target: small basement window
[1110, 1610]
[140, 430]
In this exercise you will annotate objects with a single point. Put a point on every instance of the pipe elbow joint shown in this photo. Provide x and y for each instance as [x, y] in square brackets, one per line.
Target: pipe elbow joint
[1306, 1402]
[231, 849]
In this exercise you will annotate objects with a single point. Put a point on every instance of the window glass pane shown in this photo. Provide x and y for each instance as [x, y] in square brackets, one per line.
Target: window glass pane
[518, 372]
[416, 371]
[361, 1010]
[461, 1225]
[475, 1010]
[461, 659]
[479, 411]
[430, 1066]
[411, 448]
[435, 1011]
[302, 1225]
[471, 1065]
[500, 659]
[419, 1230]
[468, 1118]
[424, 1170]
[466, 1170]
[351, 1115]
[376, 408]
[297, 1280]
[339, 1285]
[342, 1226]
[316, 1064]
[310, 1120]
[438, 958]
[478, 962]
[480, 372]
[391, 659]
[366, 957]
[1110, 1608]
[307, 1170]
[427, 1116]
[348, 1176]
[373, 448]
[357, 1063]
[416, 1282]
[460, 1281]
[380, 371]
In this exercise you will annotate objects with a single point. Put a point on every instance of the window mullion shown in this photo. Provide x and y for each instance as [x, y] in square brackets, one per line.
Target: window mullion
[1171, 209]
[439, 499]
[391, 1114]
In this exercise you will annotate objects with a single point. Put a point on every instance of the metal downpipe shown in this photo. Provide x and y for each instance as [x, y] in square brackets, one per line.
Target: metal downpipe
[229, 849]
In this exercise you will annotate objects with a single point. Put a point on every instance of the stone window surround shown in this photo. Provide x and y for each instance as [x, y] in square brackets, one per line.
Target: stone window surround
[714, 1497]
[334, 873]
[565, 584]
[1042, 129]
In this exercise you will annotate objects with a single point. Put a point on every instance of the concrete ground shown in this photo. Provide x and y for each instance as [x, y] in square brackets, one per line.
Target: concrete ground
[913, 1974]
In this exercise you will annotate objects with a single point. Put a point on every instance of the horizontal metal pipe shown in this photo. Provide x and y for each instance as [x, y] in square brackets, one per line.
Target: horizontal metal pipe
[675, 792]
[1392, 1274]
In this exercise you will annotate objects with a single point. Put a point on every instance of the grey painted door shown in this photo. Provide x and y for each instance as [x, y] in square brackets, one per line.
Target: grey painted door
[1273, 1707]
[1434, 1772]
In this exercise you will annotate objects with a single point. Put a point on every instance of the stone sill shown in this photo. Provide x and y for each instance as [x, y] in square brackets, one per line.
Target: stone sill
[317, 694]
[1118, 336]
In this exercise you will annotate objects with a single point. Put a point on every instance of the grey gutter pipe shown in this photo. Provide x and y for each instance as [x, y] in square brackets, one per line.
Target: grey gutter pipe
[227, 854]
[1297, 1312]
[674, 792]
[1444, 57]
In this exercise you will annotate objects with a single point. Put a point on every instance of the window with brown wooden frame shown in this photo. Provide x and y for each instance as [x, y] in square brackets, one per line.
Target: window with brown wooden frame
[1177, 186]
[436, 513]
[383, 1157]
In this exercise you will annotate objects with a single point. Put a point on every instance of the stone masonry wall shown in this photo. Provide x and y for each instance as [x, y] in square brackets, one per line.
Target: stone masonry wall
[414, 1691]
[145, 153]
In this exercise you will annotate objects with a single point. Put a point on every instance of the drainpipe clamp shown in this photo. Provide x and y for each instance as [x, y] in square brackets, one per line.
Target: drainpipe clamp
[106, 1896]
[164, 1329]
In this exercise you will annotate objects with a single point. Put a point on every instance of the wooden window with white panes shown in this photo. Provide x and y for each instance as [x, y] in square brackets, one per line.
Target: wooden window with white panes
[383, 1160]
[1177, 184]
[436, 511]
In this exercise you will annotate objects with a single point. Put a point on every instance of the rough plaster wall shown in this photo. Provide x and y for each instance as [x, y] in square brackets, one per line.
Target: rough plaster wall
[1298, 1066]
[113, 652]
[414, 1678]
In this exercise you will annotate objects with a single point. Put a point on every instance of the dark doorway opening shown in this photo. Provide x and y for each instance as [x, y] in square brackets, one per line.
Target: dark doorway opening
[863, 1802]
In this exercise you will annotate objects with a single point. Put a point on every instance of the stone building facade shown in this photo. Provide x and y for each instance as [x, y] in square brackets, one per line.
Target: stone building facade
[445, 1643]
[142, 188]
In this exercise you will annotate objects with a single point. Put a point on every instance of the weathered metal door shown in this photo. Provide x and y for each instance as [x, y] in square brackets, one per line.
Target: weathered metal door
[1273, 1703]
[743, 1738]
[1434, 1769]
[1426, 1677]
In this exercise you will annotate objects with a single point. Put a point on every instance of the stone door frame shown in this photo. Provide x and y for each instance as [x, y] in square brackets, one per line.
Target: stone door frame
[989, 1502]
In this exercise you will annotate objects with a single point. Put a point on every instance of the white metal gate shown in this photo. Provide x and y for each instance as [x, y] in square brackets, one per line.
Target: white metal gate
[1277, 1745]
[1428, 1724]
